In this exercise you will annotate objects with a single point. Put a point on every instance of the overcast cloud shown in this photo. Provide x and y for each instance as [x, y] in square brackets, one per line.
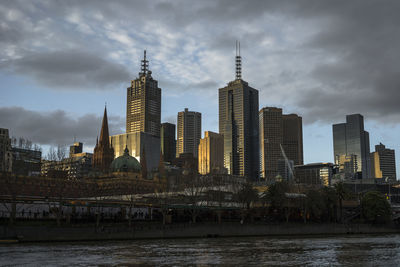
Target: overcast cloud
[321, 59]
[57, 127]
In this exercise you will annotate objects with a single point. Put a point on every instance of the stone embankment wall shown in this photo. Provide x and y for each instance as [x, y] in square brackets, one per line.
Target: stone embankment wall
[84, 233]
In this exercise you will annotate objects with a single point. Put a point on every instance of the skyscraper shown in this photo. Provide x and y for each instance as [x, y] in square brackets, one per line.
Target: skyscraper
[271, 138]
[103, 152]
[279, 131]
[189, 132]
[293, 137]
[168, 142]
[351, 141]
[238, 122]
[143, 108]
[383, 162]
[211, 153]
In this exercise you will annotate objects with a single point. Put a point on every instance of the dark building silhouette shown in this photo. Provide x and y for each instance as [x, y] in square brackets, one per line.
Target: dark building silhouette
[279, 132]
[168, 142]
[143, 108]
[5, 151]
[238, 122]
[189, 132]
[351, 147]
[293, 137]
[271, 138]
[103, 152]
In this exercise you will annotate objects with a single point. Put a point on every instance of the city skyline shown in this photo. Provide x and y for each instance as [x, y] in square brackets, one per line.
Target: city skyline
[36, 76]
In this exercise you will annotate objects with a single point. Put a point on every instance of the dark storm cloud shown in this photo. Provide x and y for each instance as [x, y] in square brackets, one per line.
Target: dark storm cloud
[55, 127]
[70, 69]
[362, 38]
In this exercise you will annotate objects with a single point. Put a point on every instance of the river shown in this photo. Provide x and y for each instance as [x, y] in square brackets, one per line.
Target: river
[355, 250]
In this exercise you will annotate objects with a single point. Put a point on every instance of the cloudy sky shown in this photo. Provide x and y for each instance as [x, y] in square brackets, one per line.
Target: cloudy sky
[60, 61]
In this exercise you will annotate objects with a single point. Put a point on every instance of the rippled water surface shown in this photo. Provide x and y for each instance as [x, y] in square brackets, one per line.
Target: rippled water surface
[251, 251]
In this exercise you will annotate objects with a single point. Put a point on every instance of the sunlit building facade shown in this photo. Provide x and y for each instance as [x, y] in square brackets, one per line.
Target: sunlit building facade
[351, 143]
[143, 108]
[383, 163]
[211, 153]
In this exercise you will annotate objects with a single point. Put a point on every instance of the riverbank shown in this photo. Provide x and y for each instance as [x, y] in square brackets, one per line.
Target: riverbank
[159, 231]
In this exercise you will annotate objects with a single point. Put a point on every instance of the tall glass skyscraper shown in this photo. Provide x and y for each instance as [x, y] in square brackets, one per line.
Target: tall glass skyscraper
[351, 147]
[238, 122]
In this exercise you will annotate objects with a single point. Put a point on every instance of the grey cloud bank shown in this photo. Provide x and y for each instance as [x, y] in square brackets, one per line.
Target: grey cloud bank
[55, 127]
[323, 59]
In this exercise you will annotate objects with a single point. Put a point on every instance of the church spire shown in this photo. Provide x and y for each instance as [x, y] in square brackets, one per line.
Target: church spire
[104, 134]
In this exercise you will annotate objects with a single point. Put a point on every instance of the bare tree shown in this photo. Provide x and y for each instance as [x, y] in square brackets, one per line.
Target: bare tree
[61, 152]
[51, 154]
[194, 188]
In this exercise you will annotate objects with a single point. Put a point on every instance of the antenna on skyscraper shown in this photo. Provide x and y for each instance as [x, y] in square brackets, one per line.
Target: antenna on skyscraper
[145, 64]
[238, 62]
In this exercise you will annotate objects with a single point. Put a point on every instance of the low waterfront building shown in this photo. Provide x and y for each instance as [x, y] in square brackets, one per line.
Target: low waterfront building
[314, 173]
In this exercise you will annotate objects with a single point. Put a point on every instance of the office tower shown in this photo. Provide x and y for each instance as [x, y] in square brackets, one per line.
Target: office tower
[383, 163]
[271, 138]
[211, 153]
[137, 144]
[293, 138]
[238, 122]
[281, 136]
[5, 151]
[76, 148]
[103, 152]
[143, 108]
[189, 132]
[351, 146]
[168, 142]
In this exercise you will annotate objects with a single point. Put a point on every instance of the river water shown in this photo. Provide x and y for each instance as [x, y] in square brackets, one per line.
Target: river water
[356, 250]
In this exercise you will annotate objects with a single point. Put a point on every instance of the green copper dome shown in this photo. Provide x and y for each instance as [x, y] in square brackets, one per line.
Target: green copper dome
[125, 163]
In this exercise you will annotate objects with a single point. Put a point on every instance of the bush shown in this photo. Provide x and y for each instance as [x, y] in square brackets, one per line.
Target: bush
[375, 208]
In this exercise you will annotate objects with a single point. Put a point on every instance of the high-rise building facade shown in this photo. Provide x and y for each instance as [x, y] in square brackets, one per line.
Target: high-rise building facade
[5, 151]
[211, 153]
[238, 122]
[293, 137]
[143, 108]
[271, 138]
[351, 141]
[103, 153]
[188, 132]
[383, 162]
[168, 142]
[281, 136]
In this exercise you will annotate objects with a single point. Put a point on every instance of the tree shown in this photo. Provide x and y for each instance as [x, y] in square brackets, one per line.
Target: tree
[51, 154]
[246, 196]
[341, 193]
[61, 152]
[275, 194]
[194, 188]
[330, 199]
[375, 207]
[315, 204]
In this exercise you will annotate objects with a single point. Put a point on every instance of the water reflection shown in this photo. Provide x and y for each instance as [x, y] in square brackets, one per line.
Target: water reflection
[318, 251]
